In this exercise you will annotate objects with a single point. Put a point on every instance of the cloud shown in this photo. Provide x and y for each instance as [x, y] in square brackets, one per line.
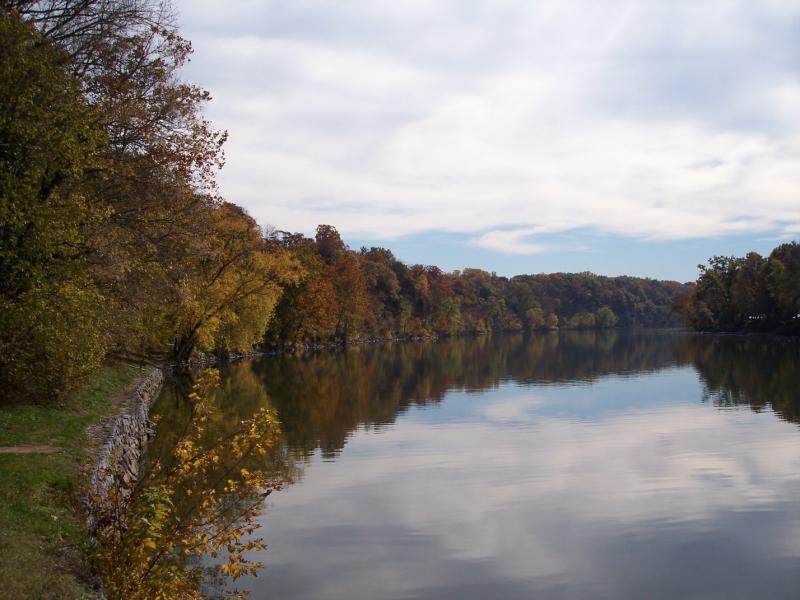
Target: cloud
[497, 119]
[511, 241]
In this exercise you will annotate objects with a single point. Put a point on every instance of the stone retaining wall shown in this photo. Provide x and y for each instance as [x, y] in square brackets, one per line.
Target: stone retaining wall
[121, 441]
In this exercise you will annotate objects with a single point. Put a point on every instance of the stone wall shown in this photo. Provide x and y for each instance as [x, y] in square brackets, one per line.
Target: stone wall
[120, 443]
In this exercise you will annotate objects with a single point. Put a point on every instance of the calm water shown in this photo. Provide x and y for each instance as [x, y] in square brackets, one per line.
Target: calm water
[572, 465]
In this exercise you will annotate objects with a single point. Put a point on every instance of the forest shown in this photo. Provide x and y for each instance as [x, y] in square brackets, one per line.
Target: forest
[115, 240]
[346, 295]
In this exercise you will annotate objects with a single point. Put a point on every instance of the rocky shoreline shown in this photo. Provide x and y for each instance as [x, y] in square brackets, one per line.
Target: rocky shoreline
[119, 442]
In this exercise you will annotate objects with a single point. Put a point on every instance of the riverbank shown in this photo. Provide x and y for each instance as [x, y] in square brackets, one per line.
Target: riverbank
[44, 542]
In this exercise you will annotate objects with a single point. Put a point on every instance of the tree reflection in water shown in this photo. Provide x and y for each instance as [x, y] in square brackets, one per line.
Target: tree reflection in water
[322, 397]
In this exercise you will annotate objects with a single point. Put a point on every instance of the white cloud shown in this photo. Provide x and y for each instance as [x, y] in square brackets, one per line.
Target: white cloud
[640, 119]
[511, 241]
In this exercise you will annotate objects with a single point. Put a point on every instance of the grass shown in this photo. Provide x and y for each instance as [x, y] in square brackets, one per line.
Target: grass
[43, 544]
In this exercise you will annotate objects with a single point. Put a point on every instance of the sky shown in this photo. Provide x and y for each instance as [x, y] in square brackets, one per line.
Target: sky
[518, 136]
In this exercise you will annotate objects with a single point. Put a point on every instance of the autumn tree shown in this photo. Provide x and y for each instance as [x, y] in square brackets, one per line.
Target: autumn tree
[227, 294]
[201, 501]
[84, 29]
[582, 320]
[534, 318]
[352, 302]
[329, 243]
[157, 180]
[605, 318]
[380, 269]
[307, 310]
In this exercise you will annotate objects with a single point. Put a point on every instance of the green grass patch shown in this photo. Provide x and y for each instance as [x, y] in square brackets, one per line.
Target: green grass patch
[42, 542]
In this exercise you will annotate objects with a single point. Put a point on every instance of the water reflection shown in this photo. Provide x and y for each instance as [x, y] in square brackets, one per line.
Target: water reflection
[573, 465]
[762, 372]
[324, 396]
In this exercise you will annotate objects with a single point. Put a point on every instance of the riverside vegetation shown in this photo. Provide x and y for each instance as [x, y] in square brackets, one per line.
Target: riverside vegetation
[201, 500]
[116, 244]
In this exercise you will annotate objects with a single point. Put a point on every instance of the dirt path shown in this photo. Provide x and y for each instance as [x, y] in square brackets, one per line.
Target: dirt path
[28, 449]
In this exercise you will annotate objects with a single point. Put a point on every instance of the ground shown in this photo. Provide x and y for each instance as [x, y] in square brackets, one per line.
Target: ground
[44, 548]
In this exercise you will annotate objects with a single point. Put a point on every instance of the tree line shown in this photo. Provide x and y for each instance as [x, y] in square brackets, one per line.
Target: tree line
[751, 293]
[114, 239]
[347, 294]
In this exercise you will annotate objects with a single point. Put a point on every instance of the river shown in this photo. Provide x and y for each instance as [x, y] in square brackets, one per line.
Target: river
[562, 465]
